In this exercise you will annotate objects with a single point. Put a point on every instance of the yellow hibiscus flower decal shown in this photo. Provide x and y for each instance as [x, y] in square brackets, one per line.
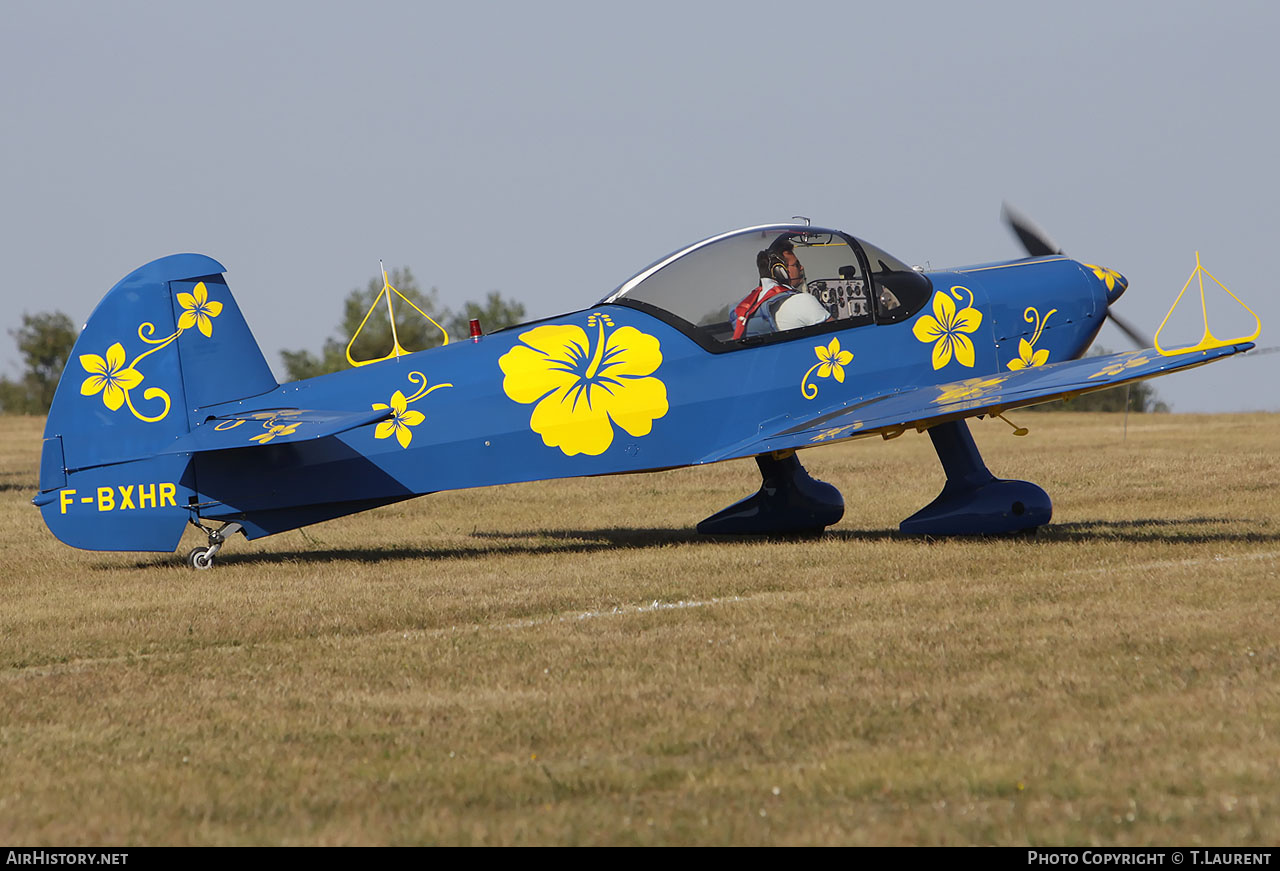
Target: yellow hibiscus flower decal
[947, 327]
[1028, 357]
[831, 363]
[582, 385]
[110, 376]
[198, 309]
[974, 388]
[1135, 358]
[1109, 277]
[833, 360]
[836, 432]
[402, 417]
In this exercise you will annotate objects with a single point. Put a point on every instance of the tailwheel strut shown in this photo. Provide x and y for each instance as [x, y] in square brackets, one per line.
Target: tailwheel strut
[201, 558]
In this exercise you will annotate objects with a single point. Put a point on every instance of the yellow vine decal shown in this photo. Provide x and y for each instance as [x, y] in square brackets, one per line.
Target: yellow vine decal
[402, 417]
[1028, 357]
[831, 363]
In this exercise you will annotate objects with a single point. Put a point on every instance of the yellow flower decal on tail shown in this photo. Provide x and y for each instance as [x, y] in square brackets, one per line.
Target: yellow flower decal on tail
[271, 423]
[1028, 357]
[947, 327]
[113, 378]
[110, 377]
[831, 363]
[403, 417]
[198, 310]
[280, 429]
[585, 384]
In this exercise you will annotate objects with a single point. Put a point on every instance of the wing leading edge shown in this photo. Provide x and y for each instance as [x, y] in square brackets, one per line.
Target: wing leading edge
[893, 412]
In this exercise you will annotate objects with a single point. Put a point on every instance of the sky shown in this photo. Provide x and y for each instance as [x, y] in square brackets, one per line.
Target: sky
[549, 151]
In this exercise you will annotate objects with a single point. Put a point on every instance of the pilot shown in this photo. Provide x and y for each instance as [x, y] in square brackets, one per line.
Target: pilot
[780, 302]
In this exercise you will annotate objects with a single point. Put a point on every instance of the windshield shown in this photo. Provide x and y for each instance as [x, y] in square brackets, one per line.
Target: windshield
[900, 290]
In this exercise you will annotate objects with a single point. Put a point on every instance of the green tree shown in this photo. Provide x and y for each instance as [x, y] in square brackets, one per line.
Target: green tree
[45, 340]
[495, 314]
[414, 332]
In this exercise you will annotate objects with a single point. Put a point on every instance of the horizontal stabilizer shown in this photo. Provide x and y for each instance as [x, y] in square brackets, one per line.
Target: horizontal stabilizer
[274, 426]
[894, 412]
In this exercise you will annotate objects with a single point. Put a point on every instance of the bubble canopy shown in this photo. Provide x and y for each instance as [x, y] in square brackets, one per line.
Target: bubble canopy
[696, 288]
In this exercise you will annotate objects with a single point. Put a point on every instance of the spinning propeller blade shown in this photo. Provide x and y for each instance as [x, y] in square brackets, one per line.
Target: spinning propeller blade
[1139, 339]
[1029, 233]
[1038, 244]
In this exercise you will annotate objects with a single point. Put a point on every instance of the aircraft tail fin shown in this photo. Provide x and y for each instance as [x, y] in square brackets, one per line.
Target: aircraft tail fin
[167, 340]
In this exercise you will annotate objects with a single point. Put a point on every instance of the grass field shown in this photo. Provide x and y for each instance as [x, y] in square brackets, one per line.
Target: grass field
[568, 663]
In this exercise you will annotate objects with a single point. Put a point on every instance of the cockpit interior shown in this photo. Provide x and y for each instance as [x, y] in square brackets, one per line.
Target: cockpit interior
[705, 290]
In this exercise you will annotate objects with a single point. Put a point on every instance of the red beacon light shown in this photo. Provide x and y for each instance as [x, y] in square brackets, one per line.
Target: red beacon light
[476, 332]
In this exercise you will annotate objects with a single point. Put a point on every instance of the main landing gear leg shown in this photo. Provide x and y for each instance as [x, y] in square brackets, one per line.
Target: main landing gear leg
[789, 502]
[202, 557]
[973, 501]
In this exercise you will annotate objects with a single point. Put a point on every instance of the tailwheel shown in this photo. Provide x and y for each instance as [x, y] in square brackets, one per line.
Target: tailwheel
[201, 558]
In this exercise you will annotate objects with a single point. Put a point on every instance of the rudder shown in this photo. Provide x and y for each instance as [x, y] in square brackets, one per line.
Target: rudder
[165, 341]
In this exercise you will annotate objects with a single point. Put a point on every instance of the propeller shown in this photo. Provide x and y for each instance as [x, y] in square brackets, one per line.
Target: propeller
[1140, 340]
[1038, 244]
[1029, 233]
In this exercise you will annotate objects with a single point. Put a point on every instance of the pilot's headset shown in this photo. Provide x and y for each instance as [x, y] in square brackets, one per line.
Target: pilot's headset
[771, 265]
[778, 269]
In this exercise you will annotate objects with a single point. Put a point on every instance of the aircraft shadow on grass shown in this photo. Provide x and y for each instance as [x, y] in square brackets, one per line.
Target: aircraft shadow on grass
[536, 543]
[1173, 532]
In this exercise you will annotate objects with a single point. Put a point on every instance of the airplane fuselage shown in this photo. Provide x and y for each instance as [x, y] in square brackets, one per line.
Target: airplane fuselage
[525, 404]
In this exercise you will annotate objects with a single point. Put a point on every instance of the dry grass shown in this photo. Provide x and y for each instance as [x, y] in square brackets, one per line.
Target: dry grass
[567, 663]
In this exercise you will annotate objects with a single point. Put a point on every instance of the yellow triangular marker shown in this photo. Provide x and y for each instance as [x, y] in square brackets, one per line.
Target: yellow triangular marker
[1208, 340]
[396, 349]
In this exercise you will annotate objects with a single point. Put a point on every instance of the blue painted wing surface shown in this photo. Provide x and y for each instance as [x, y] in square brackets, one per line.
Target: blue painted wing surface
[921, 407]
[265, 426]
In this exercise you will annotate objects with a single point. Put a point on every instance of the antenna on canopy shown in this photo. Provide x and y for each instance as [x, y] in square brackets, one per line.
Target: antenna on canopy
[801, 218]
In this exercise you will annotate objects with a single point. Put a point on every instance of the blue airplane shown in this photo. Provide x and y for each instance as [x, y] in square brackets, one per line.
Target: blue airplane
[753, 343]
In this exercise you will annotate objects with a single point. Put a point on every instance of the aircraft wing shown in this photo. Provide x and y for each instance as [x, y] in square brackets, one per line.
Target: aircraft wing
[270, 426]
[893, 412]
